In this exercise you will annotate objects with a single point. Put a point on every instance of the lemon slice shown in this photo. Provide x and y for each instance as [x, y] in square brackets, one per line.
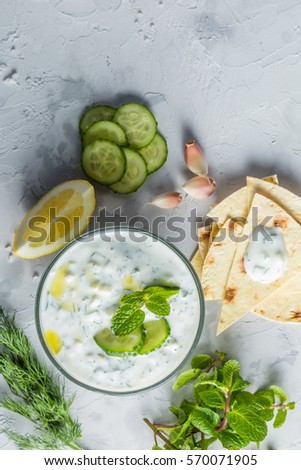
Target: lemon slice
[58, 217]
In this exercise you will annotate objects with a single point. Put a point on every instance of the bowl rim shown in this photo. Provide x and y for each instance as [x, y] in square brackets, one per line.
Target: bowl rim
[88, 235]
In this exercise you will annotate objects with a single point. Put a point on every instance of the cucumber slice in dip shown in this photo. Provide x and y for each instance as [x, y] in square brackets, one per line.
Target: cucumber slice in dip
[97, 113]
[156, 333]
[104, 162]
[135, 174]
[138, 123]
[120, 345]
[105, 130]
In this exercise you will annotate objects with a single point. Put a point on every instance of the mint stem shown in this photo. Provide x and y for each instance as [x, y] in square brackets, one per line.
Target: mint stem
[224, 421]
[159, 434]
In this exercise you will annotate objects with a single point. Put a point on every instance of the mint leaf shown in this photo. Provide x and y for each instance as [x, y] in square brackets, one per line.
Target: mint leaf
[212, 398]
[280, 418]
[185, 378]
[179, 413]
[265, 397]
[162, 291]
[188, 444]
[205, 420]
[260, 402]
[187, 406]
[215, 383]
[202, 361]
[231, 372]
[232, 440]
[158, 305]
[243, 397]
[134, 298]
[177, 435]
[156, 447]
[126, 319]
[247, 423]
[240, 384]
[279, 393]
[204, 376]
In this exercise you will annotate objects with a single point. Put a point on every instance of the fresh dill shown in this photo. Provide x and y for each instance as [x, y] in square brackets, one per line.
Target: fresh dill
[37, 396]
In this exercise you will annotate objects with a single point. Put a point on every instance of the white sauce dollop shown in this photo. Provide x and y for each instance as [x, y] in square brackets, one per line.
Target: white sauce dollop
[266, 256]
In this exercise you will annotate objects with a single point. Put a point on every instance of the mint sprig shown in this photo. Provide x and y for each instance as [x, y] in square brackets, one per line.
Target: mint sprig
[129, 315]
[126, 319]
[221, 408]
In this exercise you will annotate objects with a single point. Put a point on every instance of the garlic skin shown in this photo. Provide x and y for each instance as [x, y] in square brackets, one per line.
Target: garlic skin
[195, 158]
[167, 200]
[200, 187]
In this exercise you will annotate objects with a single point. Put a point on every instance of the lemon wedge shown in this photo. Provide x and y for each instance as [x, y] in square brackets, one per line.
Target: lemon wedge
[58, 217]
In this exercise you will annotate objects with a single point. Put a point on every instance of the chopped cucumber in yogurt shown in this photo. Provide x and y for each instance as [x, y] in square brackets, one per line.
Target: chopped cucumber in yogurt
[133, 129]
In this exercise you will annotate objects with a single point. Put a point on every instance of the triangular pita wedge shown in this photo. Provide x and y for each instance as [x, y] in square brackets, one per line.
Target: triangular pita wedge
[204, 236]
[197, 261]
[236, 205]
[284, 305]
[242, 293]
[282, 196]
[218, 261]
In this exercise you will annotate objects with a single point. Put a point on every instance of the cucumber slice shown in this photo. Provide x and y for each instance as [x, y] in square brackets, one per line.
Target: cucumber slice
[138, 122]
[97, 113]
[135, 174]
[155, 153]
[107, 130]
[104, 162]
[120, 345]
[156, 333]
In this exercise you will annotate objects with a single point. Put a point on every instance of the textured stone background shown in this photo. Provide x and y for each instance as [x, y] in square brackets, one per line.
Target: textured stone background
[225, 72]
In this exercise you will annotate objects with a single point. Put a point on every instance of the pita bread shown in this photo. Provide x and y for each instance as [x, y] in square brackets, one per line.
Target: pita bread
[242, 293]
[218, 261]
[220, 255]
[204, 235]
[237, 205]
[284, 305]
[198, 258]
[282, 196]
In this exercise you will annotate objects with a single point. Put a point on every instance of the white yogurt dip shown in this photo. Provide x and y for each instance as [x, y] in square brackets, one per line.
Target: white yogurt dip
[266, 256]
[82, 291]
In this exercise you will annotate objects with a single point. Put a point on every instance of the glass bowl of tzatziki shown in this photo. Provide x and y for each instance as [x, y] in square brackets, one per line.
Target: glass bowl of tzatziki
[119, 310]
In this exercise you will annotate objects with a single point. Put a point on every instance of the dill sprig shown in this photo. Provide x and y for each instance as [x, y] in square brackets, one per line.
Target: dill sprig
[38, 397]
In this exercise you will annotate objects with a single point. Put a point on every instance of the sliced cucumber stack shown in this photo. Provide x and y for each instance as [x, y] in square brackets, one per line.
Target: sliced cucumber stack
[133, 129]
[104, 162]
[120, 345]
[156, 333]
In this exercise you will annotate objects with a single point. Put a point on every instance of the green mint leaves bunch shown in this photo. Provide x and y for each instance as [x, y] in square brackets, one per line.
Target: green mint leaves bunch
[220, 408]
[130, 315]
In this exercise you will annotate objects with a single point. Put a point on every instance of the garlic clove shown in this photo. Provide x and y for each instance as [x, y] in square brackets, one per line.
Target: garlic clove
[167, 200]
[195, 158]
[200, 187]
